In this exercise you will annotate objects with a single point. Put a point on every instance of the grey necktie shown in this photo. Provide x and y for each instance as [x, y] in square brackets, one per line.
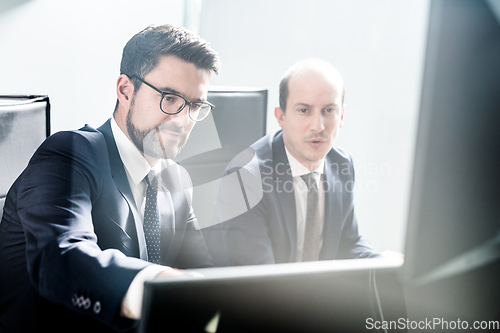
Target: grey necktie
[314, 224]
[152, 219]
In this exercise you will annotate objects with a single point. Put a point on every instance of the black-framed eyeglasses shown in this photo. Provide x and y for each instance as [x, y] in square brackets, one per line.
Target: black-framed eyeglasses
[172, 103]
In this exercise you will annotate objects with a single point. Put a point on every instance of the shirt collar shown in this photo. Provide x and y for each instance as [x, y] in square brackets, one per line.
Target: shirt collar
[136, 165]
[298, 169]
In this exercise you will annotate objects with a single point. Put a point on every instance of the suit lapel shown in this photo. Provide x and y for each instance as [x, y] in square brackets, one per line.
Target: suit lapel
[333, 210]
[284, 184]
[121, 181]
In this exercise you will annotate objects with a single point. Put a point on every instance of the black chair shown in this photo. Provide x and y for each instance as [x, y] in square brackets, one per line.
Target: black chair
[238, 120]
[24, 124]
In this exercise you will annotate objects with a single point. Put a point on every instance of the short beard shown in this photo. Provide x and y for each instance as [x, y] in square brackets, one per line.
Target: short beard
[149, 141]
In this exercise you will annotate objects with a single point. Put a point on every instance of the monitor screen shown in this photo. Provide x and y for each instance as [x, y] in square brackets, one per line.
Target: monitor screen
[452, 249]
[325, 296]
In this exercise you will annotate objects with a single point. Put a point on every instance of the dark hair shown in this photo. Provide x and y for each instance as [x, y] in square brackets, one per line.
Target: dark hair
[283, 92]
[143, 50]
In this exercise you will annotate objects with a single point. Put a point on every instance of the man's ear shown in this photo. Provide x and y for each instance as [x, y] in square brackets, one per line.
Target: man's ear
[280, 116]
[124, 90]
[342, 116]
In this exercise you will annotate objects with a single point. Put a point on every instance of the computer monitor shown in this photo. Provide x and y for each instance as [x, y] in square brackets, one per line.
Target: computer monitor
[452, 256]
[327, 296]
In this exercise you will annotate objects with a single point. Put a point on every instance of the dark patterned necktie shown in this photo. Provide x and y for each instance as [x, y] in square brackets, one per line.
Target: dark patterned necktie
[152, 228]
[314, 224]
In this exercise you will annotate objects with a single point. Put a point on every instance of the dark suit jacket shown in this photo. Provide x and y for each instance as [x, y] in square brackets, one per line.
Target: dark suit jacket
[71, 240]
[267, 232]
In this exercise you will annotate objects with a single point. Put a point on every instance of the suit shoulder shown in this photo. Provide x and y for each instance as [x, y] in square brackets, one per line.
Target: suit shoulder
[263, 147]
[85, 146]
[340, 155]
[260, 151]
[78, 155]
[264, 143]
[82, 138]
[85, 133]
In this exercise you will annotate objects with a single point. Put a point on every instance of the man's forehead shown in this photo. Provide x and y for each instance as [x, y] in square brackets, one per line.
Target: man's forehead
[316, 73]
[315, 85]
[173, 74]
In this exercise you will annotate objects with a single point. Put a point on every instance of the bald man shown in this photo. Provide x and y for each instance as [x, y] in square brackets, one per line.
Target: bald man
[306, 210]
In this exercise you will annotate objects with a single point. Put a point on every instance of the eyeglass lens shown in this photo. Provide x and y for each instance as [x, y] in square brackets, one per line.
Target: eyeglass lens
[171, 104]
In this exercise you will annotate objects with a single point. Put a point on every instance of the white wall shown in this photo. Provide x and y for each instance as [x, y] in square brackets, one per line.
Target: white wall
[71, 51]
[378, 47]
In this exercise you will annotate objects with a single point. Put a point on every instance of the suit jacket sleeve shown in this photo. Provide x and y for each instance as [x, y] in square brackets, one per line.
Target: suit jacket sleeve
[241, 235]
[246, 238]
[55, 199]
[352, 245]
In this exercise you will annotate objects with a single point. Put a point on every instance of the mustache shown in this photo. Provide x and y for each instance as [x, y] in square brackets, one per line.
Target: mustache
[320, 135]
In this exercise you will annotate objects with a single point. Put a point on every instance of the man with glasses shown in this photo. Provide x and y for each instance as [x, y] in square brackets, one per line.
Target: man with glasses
[99, 211]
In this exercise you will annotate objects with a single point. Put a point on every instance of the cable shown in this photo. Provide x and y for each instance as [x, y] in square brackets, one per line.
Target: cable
[373, 282]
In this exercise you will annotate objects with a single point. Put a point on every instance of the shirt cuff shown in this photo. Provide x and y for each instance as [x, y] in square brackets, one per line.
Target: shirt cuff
[132, 302]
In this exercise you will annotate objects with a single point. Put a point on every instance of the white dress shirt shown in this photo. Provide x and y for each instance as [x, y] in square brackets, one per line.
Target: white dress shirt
[136, 168]
[300, 190]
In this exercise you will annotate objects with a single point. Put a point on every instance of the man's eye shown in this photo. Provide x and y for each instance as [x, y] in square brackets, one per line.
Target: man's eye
[171, 99]
[302, 110]
[196, 106]
[329, 110]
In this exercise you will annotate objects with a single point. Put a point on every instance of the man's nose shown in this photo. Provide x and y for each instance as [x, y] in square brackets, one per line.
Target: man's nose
[182, 118]
[317, 122]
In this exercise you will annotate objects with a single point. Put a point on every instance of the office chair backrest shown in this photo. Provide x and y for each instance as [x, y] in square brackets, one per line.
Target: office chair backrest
[238, 120]
[24, 124]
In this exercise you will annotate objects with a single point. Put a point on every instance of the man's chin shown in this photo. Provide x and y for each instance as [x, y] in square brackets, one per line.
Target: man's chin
[158, 152]
[316, 156]
[167, 148]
